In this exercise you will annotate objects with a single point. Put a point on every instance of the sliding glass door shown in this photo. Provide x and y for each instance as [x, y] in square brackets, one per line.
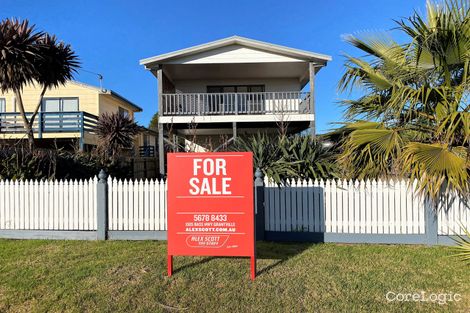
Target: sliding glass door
[67, 113]
[249, 99]
[3, 108]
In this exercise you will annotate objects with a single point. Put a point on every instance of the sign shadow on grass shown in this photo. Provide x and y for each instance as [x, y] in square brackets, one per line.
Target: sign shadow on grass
[277, 252]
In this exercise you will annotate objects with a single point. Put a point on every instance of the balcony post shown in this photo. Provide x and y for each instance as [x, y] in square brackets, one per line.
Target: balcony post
[39, 125]
[161, 150]
[82, 131]
[311, 69]
[161, 107]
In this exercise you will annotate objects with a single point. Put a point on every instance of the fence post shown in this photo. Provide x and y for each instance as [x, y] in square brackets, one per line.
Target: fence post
[102, 206]
[430, 223]
[259, 205]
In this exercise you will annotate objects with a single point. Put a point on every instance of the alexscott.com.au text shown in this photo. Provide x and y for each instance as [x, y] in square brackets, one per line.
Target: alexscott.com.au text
[423, 296]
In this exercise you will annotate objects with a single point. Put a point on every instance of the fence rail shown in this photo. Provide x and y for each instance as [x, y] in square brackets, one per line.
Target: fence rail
[384, 209]
[183, 104]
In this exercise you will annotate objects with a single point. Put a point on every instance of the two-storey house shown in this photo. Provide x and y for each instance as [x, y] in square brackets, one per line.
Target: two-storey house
[211, 93]
[67, 116]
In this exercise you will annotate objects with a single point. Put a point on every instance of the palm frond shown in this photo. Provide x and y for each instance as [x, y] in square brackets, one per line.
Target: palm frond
[463, 246]
[437, 167]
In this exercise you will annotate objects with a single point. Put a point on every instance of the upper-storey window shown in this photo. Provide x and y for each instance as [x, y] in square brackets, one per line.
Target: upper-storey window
[235, 88]
[124, 112]
[60, 105]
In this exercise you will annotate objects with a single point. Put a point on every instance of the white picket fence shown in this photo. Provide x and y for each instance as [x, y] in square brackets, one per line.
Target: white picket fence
[48, 205]
[356, 207]
[453, 216]
[365, 207]
[137, 204]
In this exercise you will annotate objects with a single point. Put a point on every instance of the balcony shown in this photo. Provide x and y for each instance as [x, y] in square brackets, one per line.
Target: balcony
[147, 151]
[49, 122]
[249, 103]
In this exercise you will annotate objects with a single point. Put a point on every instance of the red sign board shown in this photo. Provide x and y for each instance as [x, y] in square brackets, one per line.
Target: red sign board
[210, 205]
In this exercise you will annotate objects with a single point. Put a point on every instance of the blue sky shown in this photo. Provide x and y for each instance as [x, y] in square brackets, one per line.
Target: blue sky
[111, 37]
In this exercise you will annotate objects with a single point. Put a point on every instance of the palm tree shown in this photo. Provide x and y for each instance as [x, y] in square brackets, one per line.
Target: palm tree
[28, 57]
[413, 118]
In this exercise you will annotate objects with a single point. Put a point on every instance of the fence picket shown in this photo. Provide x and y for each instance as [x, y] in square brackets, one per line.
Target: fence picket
[120, 201]
[270, 208]
[152, 205]
[16, 204]
[161, 199]
[292, 208]
[316, 206]
[145, 200]
[284, 216]
[126, 191]
[309, 205]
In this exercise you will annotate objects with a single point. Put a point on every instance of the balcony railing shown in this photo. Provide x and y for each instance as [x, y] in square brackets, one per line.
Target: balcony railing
[49, 122]
[147, 151]
[289, 102]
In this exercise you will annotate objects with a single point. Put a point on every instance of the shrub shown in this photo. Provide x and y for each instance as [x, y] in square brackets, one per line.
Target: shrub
[115, 133]
[22, 163]
[285, 158]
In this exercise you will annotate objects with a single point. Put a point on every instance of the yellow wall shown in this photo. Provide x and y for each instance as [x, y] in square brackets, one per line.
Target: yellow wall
[111, 104]
[90, 99]
[87, 97]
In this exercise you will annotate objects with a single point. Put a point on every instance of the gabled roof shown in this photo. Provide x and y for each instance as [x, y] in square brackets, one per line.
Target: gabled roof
[109, 92]
[242, 41]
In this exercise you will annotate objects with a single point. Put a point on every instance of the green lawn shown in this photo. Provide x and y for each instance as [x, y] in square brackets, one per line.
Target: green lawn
[80, 276]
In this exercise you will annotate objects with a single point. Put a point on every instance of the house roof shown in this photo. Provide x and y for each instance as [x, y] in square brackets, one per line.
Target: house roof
[110, 93]
[250, 43]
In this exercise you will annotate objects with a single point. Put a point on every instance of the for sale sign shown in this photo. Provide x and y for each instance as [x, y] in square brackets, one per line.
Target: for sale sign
[210, 205]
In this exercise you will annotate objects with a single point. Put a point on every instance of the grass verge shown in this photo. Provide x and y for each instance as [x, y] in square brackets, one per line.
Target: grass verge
[125, 276]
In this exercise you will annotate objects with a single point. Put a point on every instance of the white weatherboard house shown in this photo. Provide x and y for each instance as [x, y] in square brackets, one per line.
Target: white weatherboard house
[207, 94]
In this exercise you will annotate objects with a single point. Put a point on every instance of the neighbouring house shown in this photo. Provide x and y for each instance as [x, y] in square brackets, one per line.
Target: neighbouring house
[146, 143]
[211, 93]
[68, 116]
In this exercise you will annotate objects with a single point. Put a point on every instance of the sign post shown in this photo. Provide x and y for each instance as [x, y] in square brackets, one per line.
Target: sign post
[210, 206]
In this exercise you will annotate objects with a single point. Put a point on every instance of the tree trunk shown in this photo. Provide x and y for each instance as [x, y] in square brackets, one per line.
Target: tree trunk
[38, 106]
[27, 126]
